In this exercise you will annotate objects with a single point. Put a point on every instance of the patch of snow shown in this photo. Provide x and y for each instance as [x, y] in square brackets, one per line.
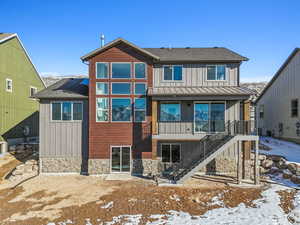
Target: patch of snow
[108, 205]
[294, 215]
[288, 150]
[125, 219]
[216, 200]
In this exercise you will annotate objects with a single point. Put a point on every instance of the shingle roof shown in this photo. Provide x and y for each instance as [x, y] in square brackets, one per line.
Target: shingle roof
[65, 88]
[201, 91]
[216, 54]
[196, 54]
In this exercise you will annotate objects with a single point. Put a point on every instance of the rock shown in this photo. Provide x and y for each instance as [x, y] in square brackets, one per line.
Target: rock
[286, 174]
[280, 164]
[292, 167]
[276, 158]
[262, 157]
[262, 170]
[295, 179]
[12, 148]
[274, 170]
[267, 164]
[31, 162]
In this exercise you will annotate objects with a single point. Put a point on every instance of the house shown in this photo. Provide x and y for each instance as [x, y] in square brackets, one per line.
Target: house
[277, 107]
[151, 111]
[19, 80]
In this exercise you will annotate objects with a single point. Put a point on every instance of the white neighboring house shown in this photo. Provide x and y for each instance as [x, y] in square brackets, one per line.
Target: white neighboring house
[277, 107]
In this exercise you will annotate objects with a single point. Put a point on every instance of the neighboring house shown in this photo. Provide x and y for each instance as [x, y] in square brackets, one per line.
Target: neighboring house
[166, 111]
[278, 105]
[19, 80]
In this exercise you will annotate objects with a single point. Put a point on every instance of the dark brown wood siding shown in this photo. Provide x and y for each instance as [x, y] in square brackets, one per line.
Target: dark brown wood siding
[102, 135]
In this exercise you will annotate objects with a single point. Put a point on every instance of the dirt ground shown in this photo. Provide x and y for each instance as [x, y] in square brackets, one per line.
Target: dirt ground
[46, 198]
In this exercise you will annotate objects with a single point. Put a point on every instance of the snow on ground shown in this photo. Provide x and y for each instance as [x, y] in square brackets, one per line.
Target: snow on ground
[288, 150]
[266, 212]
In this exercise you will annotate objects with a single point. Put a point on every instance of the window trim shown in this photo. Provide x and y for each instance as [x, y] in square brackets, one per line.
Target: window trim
[163, 73]
[103, 83]
[8, 90]
[111, 110]
[107, 121]
[170, 102]
[135, 88]
[140, 110]
[107, 75]
[111, 71]
[171, 143]
[36, 90]
[209, 102]
[294, 116]
[146, 74]
[216, 72]
[111, 88]
[61, 109]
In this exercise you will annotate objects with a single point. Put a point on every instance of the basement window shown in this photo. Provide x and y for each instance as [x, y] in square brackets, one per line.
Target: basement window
[170, 153]
[294, 108]
[8, 85]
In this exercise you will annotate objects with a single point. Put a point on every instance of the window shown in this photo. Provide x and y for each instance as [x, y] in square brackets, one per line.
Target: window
[216, 72]
[172, 73]
[101, 88]
[170, 153]
[140, 109]
[121, 70]
[101, 70]
[294, 108]
[121, 109]
[209, 117]
[67, 111]
[140, 70]
[120, 88]
[261, 111]
[33, 91]
[170, 112]
[101, 109]
[9, 84]
[140, 89]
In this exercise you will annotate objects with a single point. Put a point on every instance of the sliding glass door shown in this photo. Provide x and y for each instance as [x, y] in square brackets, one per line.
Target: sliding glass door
[209, 117]
[120, 159]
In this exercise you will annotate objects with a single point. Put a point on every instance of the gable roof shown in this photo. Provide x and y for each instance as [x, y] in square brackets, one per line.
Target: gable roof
[216, 54]
[277, 74]
[114, 43]
[7, 36]
[68, 88]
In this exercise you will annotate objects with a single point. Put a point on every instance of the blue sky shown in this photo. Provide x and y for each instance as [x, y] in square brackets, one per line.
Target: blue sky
[57, 33]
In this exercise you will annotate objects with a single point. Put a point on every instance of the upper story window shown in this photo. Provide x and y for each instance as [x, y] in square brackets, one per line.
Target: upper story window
[173, 73]
[170, 112]
[216, 72]
[33, 91]
[121, 109]
[140, 70]
[294, 108]
[121, 88]
[101, 109]
[139, 109]
[66, 111]
[140, 88]
[8, 85]
[121, 70]
[101, 88]
[261, 111]
[101, 70]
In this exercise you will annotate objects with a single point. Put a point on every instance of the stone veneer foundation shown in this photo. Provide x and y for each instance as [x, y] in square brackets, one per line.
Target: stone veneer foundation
[60, 165]
[99, 166]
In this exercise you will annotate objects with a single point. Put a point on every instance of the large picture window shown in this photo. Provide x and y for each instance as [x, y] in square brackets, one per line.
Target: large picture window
[170, 153]
[121, 70]
[139, 109]
[101, 70]
[209, 117]
[173, 73]
[140, 70]
[216, 72]
[170, 112]
[101, 88]
[121, 109]
[66, 111]
[101, 109]
[120, 88]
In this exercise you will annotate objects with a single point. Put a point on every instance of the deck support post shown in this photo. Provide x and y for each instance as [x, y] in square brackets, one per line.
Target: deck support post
[239, 162]
[256, 165]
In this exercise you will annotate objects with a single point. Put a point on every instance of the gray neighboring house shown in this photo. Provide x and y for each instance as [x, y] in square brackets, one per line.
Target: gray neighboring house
[66, 137]
[277, 110]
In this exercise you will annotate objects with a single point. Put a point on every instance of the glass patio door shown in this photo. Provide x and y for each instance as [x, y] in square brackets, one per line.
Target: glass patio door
[120, 159]
[209, 117]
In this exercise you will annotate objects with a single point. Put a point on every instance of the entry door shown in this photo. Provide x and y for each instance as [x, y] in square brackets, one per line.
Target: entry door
[120, 158]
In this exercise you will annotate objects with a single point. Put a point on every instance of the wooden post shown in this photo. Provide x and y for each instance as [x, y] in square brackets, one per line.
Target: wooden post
[154, 149]
[239, 165]
[256, 165]
[154, 117]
